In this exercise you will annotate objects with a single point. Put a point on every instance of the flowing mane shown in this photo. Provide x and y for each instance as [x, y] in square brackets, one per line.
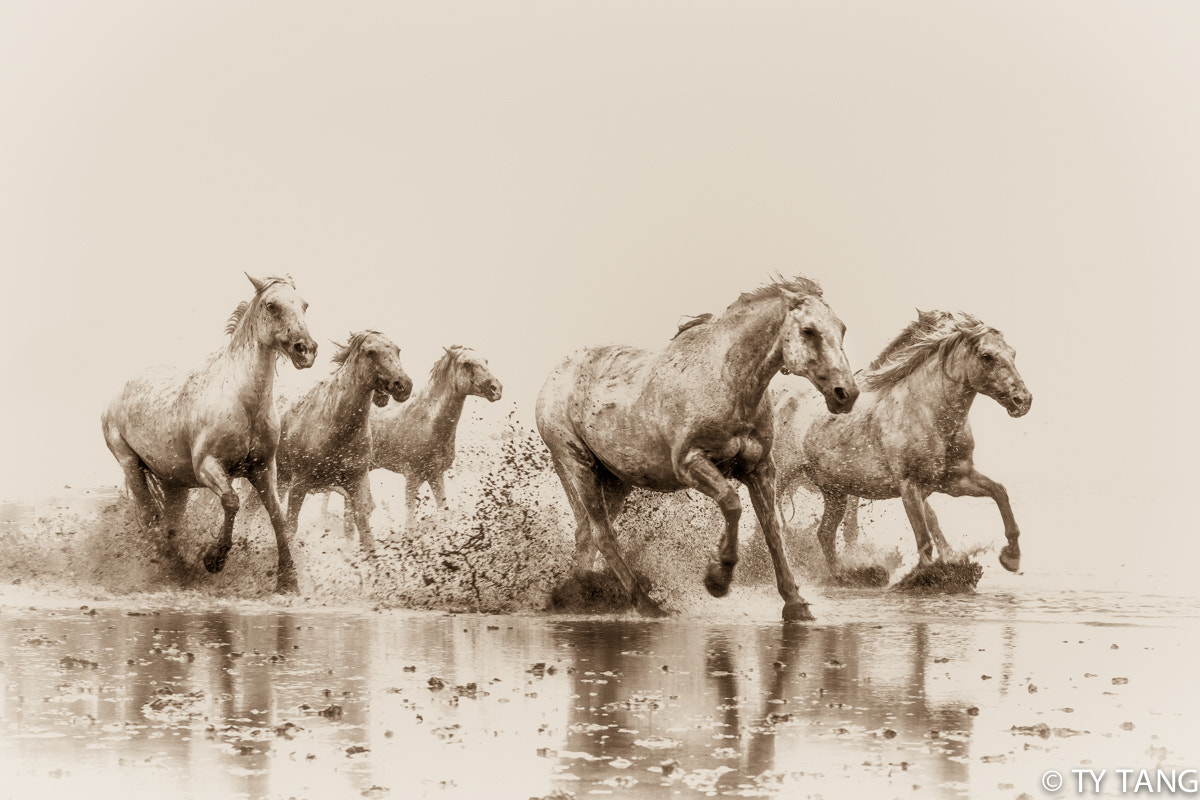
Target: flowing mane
[239, 313]
[798, 285]
[441, 368]
[353, 343]
[933, 332]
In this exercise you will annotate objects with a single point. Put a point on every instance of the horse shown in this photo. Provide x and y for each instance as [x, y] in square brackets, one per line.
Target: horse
[691, 415]
[325, 439]
[417, 439]
[796, 406]
[910, 437]
[171, 433]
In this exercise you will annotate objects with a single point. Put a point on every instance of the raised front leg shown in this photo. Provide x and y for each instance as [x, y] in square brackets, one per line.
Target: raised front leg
[976, 484]
[264, 482]
[210, 472]
[914, 505]
[359, 504]
[831, 517]
[761, 485]
[699, 472]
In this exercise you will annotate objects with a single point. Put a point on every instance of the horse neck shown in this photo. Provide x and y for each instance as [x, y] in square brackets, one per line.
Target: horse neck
[350, 397]
[754, 353]
[936, 384]
[251, 367]
[445, 404]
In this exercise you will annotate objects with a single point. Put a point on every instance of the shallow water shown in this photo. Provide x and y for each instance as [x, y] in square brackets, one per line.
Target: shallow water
[181, 694]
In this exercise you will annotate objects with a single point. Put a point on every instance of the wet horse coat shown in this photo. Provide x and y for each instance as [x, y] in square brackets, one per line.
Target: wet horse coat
[173, 432]
[692, 415]
[417, 439]
[325, 439]
[909, 436]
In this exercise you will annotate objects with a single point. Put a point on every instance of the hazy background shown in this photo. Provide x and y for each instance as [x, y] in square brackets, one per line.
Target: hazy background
[526, 177]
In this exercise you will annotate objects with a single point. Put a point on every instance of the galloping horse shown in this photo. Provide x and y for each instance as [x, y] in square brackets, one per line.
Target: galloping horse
[325, 439]
[417, 439]
[171, 433]
[691, 415]
[910, 436]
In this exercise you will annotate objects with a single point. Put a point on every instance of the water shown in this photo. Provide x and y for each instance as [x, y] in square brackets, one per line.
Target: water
[185, 695]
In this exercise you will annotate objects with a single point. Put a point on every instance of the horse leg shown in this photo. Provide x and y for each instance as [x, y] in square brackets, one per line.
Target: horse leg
[584, 558]
[945, 552]
[348, 526]
[210, 472]
[976, 484]
[586, 481]
[264, 482]
[850, 521]
[761, 484]
[437, 483]
[359, 506]
[135, 477]
[174, 501]
[914, 505]
[412, 498]
[831, 517]
[699, 472]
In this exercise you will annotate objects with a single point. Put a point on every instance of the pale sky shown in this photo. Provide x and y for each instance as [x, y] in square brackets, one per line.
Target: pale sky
[528, 177]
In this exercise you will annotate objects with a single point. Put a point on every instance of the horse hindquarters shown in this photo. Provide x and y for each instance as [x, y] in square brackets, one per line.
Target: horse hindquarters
[137, 474]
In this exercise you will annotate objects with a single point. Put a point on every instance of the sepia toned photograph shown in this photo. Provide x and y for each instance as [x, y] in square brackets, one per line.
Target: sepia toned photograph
[550, 400]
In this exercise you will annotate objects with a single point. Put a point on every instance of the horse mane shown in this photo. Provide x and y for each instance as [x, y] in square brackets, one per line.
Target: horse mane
[240, 312]
[353, 343]
[799, 284]
[806, 287]
[691, 322]
[440, 371]
[933, 332]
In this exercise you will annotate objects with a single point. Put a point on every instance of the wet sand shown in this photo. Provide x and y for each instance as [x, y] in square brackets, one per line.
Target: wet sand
[182, 694]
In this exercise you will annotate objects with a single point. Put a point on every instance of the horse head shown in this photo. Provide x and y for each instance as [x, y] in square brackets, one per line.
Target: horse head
[377, 360]
[812, 347]
[472, 376]
[280, 322]
[992, 371]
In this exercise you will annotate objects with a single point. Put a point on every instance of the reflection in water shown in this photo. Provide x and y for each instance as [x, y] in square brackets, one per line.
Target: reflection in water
[311, 703]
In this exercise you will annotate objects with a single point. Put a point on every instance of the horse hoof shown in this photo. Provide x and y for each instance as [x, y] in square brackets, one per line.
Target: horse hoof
[717, 579]
[215, 562]
[1008, 560]
[648, 608]
[286, 584]
[797, 611]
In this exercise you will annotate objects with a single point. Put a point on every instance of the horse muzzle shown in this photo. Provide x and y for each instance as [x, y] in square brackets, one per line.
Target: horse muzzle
[302, 352]
[493, 391]
[1018, 404]
[400, 388]
[841, 399]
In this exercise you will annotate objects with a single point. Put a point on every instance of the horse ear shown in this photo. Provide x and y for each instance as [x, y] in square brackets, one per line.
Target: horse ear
[256, 283]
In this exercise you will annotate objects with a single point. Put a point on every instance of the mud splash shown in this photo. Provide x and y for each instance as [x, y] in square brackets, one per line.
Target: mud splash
[503, 546]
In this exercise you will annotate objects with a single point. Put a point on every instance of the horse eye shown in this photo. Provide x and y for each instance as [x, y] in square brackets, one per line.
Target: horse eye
[272, 308]
[811, 333]
[987, 357]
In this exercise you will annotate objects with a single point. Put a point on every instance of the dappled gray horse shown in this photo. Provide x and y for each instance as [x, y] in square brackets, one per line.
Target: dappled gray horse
[909, 435]
[325, 438]
[172, 432]
[692, 415]
[417, 439]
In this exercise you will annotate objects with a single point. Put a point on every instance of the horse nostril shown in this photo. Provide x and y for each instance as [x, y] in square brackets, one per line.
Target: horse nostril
[299, 347]
[839, 393]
